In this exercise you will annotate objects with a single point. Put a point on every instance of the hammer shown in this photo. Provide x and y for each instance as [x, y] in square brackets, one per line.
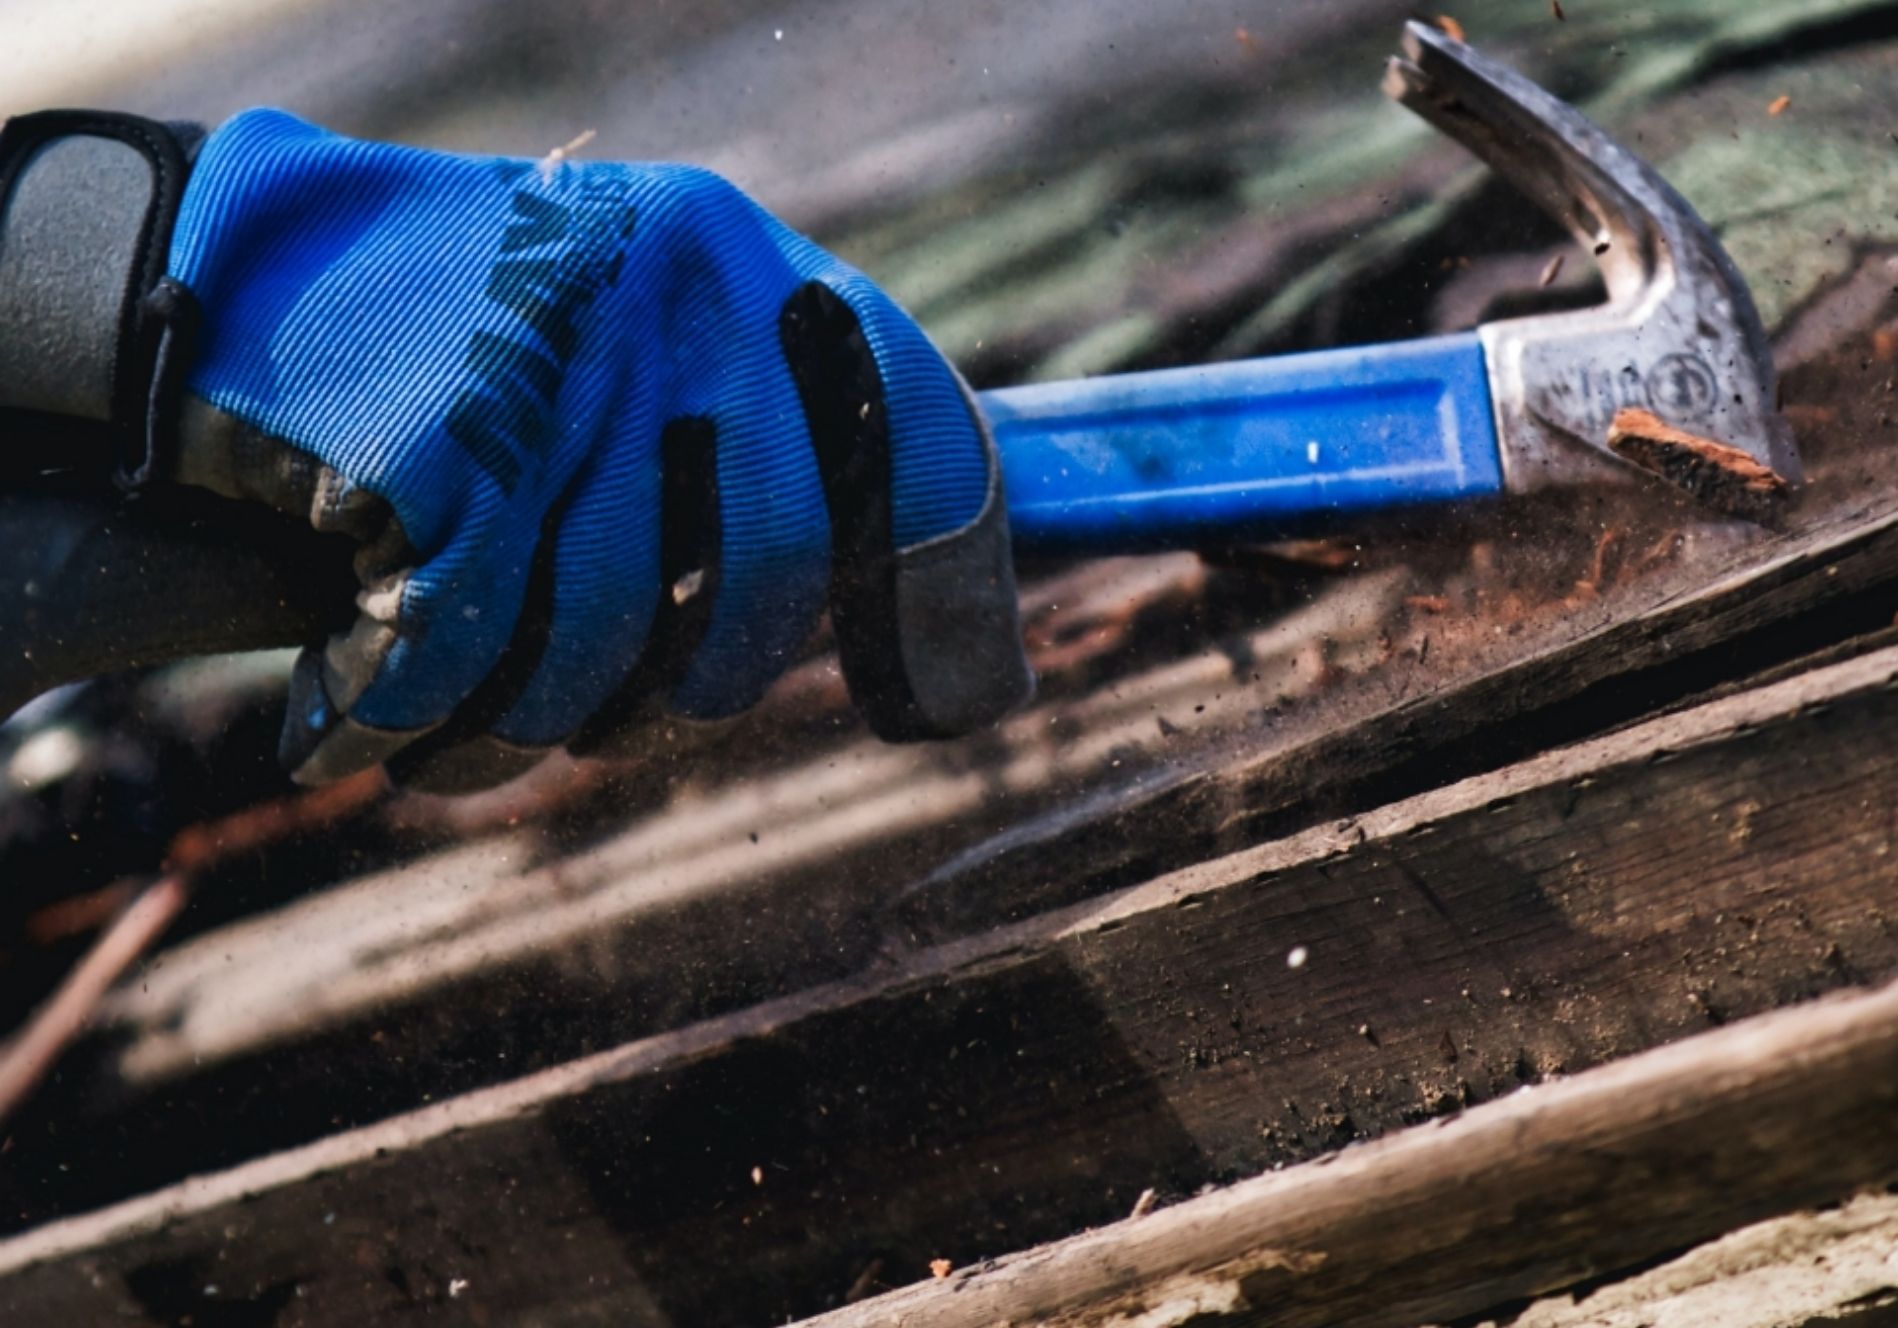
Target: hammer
[1671, 377]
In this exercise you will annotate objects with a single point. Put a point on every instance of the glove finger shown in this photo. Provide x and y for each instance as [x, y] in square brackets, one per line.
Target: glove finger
[423, 641]
[329, 731]
[922, 587]
[686, 574]
[774, 548]
[475, 748]
[590, 603]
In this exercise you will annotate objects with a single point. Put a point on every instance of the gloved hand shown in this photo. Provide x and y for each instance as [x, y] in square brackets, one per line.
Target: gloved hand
[609, 436]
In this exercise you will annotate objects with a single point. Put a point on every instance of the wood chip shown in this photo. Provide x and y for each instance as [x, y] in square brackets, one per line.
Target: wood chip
[1144, 1204]
[1718, 474]
[552, 161]
[940, 1268]
[1451, 28]
[1553, 270]
[866, 1283]
[1779, 104]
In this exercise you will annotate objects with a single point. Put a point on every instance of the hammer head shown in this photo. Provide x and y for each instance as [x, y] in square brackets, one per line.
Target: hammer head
[1679, 338]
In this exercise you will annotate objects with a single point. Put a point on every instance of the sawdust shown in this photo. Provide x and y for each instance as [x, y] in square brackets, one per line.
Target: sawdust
[1720, 475]
[1601, 567]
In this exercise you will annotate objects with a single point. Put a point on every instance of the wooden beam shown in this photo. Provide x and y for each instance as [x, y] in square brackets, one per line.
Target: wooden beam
[1760, 611]
[1830, 1266]
[1515, 1198]
[1190, 740]
[1001, 1090]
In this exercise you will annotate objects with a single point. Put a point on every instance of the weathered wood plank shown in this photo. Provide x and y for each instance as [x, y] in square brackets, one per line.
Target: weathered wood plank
[1009, 1088]
[1836, 1266]
[1764, 610]
[1515, 1198]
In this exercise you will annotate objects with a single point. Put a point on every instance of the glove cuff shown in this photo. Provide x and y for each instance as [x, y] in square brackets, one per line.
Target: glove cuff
[93, 335]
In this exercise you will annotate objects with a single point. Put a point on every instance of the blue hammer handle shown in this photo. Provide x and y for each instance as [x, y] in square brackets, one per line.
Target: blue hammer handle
[1179, 458]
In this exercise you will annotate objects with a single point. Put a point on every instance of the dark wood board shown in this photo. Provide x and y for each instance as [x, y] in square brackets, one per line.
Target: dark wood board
[1832, 583]
[1519, 1197]
[1828, 1265]
[1007, 1089]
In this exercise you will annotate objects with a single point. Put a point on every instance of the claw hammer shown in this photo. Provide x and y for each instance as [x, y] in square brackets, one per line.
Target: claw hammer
[1181, 457]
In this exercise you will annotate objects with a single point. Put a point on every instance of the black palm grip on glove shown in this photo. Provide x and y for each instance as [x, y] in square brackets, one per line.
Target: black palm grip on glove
[842, 391]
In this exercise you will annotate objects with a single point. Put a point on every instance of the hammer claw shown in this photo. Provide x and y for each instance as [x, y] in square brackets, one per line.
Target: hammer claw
[1679, 336]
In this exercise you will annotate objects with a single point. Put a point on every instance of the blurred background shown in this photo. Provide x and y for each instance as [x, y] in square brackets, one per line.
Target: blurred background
[1055, 188]
[814, 106]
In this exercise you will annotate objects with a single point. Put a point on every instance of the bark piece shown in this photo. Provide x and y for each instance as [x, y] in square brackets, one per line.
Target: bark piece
[1720, 475]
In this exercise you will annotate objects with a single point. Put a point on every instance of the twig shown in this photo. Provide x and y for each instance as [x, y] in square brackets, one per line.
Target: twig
[28, 1057]
[198, 847]
[79, 916]
[553, 160]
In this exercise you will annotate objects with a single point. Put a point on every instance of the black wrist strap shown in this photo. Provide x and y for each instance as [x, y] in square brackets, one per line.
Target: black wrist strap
[92, 333]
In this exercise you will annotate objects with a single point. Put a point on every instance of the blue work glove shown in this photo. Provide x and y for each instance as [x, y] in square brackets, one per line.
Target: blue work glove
[610, 437]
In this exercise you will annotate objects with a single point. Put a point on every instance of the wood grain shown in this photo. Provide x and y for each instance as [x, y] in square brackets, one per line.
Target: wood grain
[1830, 582]
[1834, 1265]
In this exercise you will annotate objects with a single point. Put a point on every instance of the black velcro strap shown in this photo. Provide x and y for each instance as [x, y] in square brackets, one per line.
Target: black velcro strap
[94, 329]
